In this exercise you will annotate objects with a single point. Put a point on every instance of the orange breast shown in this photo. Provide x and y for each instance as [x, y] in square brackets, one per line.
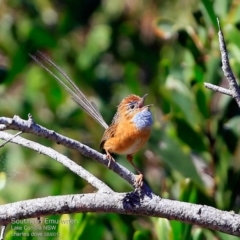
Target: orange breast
[127, 139]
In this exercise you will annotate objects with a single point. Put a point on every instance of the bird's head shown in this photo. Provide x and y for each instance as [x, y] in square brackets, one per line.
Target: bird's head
[132, 105]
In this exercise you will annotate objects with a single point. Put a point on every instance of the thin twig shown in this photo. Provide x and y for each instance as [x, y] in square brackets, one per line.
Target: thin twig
[218, 89]
[3, 144]
[233, 90]
[75, 168]
[16, 123]
[226, 67]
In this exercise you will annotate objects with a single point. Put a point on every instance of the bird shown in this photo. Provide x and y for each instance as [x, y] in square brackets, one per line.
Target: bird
[131, 125]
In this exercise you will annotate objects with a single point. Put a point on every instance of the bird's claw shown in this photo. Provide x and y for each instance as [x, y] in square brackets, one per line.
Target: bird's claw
[110, 159]
[139, 181]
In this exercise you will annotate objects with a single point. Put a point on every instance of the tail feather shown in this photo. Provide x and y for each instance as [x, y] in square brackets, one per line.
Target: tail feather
[77, 95]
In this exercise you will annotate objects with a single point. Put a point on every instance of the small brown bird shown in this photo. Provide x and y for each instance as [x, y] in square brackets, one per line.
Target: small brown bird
[130, 127]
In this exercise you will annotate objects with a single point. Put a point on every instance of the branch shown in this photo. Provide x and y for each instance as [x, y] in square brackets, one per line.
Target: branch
[29, 126]
[233, 90]
[123, 203]
[75, 168]
[9, 140]
[143, 203]
[218, 89]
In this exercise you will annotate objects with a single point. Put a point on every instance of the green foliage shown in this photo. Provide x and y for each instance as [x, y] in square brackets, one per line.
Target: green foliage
[112, 49]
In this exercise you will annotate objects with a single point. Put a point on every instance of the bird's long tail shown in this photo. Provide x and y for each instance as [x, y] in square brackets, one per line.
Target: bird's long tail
[77, 95]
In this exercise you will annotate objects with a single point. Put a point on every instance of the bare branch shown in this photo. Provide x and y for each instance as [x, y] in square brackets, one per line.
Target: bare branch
[227, 69]
[95, 182]
[233, 90]
[218, 89]
[16, 123]
[123, 203]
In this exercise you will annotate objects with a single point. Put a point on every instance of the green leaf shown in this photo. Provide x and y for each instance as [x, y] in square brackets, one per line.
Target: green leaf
[188, 135]
[77, 227]
[42, 37]
[141, 235]
[98, 41]
[182, 100]
[234, 125]
[19, 63]
[173, 156]
[208, 11]
[201, 101]
[88, 224]
[3, 180]
[64, 227]
[163, 229]
[225, 236]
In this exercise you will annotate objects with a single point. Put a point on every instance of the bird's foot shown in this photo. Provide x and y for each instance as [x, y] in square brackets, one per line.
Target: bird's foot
[139, 181]
[110, 158]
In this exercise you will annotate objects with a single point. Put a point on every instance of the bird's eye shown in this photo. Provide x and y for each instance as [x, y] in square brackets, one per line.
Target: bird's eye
[132, 105]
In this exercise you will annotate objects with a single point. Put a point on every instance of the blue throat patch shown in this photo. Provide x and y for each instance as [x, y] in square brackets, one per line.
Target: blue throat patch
[143, 119]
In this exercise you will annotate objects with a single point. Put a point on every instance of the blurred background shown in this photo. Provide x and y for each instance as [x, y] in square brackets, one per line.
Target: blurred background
[111, 49]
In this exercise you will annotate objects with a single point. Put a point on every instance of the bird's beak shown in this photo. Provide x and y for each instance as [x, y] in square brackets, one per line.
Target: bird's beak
[141, 102]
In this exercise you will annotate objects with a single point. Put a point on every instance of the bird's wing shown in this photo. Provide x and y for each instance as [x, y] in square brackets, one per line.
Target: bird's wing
[109, 133]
